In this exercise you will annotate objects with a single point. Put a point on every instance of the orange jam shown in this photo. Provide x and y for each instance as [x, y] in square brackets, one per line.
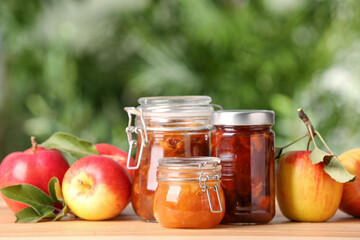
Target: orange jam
[162, 144]
[180, 201]
[177, 126]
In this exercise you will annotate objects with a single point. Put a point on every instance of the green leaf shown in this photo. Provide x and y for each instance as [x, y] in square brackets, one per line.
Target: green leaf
[55, 190]
[56, 195]
[332, 166]
[318, 155]
[75, 146]
[29, 215]
[69, 158]
[30, 195]
[337, 171]
[41, 205]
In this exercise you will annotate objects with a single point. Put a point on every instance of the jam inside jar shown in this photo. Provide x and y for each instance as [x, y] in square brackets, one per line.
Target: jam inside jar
[244, 142]
[189, 194]
[165, 127]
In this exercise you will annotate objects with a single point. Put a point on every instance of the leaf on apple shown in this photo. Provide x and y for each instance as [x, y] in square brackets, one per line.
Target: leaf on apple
[41, 205]
[337, 171]
[332, 165]
[30, 195]
[318, 155]
[76, 147]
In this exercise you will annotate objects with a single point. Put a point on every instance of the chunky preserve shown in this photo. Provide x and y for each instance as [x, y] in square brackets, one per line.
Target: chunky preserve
[165, 127]
[244, 142]
[189, 194]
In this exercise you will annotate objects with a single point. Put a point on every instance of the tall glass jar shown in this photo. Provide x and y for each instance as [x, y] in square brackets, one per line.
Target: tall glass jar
[177, 126]
[189, 194]
[244, 142]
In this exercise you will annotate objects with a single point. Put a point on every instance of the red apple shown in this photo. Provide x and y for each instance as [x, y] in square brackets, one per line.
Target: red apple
[350, 201]
[96, 188]
[35, 166]
[303, 190]
[116, 154]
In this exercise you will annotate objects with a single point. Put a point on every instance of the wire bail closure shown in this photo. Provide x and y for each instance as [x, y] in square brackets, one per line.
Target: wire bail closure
[130, 130]
[205, 188]
[142, 130]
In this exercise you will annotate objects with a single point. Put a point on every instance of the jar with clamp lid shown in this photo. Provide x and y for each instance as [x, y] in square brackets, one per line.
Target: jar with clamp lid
[177, 126]
[189, 194]
[244, 142]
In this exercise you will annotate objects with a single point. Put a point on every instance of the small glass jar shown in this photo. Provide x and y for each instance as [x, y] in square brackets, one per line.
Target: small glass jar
[177, 126]
[244, 142]
[189, 194]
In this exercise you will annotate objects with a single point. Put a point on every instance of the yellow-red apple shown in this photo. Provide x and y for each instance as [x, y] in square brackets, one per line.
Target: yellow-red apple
[96, 188]
[116, 154]
[35, 166]
[303, 190]
[350, 201]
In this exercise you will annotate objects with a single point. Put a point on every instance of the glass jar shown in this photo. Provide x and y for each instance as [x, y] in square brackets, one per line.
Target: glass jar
[244, 142]
[189, 194]
[177, 126]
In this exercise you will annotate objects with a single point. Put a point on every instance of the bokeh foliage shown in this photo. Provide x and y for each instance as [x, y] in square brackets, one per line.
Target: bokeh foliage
[74, 65]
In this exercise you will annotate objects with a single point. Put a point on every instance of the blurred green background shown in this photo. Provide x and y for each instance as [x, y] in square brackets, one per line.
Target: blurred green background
[73, 65]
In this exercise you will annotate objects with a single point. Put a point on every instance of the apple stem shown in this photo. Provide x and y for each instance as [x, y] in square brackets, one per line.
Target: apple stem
[80, 182]
[323, 141]
[306, 120]
[308, 144]
[34, 144]
[278, 150]
[295, 141]
[312, 131]
[308, 125]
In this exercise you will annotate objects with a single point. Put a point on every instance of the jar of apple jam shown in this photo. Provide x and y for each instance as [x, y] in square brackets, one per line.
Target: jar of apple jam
[244, 142]
[165, 127]
[189, 194]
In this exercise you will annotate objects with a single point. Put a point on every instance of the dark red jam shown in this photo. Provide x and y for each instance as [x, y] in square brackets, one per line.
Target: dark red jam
[247, 159]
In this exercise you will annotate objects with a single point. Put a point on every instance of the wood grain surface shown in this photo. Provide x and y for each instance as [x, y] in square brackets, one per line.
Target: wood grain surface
[127, 226]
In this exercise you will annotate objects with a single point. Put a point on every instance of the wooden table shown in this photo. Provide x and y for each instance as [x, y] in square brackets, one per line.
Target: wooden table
[127, 226]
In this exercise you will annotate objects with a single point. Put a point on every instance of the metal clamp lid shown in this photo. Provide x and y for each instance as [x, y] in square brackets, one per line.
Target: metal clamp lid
[205, 188]
[167, 107]
[142, 130]
[137, 130]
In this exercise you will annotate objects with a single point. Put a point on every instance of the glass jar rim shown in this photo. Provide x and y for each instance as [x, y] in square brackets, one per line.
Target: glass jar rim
[183, 100]
[176, 106]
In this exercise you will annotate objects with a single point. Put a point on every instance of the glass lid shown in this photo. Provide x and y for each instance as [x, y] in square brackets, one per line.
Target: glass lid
[176, 106]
